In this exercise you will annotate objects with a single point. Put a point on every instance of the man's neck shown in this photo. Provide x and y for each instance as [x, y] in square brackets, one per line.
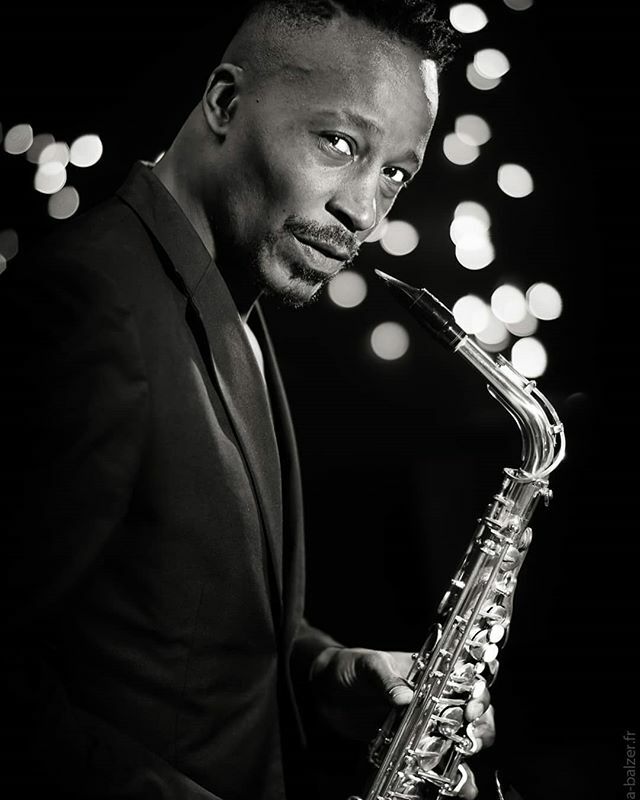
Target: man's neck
[242, 289]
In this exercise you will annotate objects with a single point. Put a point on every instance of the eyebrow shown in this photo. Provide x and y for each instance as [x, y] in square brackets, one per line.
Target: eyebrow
[364, 123]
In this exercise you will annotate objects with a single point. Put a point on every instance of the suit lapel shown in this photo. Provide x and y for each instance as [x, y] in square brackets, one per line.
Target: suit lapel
[245, 396]
[226, 349]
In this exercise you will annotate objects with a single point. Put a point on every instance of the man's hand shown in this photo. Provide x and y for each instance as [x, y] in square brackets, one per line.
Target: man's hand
[356, 688]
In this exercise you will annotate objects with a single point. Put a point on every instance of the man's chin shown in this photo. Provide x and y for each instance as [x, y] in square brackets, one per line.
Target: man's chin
[299, 288]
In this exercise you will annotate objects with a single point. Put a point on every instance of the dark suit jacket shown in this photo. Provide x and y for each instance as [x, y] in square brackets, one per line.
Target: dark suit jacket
[153, 520]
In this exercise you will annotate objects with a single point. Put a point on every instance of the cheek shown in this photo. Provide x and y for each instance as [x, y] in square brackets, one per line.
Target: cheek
[283, 168]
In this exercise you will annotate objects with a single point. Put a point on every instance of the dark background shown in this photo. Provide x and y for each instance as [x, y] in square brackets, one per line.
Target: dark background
[400, 458]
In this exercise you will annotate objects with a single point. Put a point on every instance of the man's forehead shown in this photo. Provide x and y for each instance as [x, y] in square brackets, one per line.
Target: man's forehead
[345, 50]
[379, 78]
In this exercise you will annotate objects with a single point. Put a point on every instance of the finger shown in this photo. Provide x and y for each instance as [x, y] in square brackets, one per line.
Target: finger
[469, 789]
[479, 703]
[381, 668]
[484, 728]
[403, 661]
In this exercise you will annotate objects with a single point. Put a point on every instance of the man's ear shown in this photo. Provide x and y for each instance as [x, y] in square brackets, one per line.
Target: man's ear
[220, 99]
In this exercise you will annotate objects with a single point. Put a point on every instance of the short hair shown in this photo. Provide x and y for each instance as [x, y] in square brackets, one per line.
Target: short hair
[414, 21]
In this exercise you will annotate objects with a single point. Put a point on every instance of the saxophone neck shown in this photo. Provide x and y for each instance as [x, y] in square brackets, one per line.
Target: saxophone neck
[543, 442]
[541, 430]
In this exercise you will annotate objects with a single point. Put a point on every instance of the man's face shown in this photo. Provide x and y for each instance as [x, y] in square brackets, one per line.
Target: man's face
[317, 153]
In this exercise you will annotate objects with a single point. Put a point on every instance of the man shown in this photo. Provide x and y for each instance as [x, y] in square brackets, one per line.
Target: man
[151, 490]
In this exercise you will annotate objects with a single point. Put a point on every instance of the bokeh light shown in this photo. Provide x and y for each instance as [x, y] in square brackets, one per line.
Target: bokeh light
[479, 81]
[475, 253]
[459, 151]
[399, 238]
[494, 336]
[470, 208]
[64, 203]
[524, 327]
[471, 313]
[50, 177]
[515, 180]
[467, 17]
[348, 289]
[472, 129]
[56, 151]
[544, 301]
[378, 232]
[39, 143]
[509, 304]
[518, 5]
[389, 341]
[465, 231]
[469, 231]
[86, 150]
[3, 264]
[491, 64]
[529, 357]
[8, 243]
[18, 139]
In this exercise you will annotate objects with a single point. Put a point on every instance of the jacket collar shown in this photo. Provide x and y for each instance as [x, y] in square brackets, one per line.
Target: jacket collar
[229, 357]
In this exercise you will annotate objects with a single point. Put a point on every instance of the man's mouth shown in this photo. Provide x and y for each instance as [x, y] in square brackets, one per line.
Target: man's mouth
[329, 250]
[323, 259]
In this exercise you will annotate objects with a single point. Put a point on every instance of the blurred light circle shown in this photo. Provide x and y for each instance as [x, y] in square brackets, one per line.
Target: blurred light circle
[544, 301]
[469, 208]
[467, 17]
[50, 177]
[494, 334]
[63, 204]
[524, 327]
[471, 313]
[466, 226]
[399, 238]
[491, 63]
[3, 264]
[58, 151]
[347, 289]
[39, 143]
[508, 303]
[479, 81]
[472, 129]
[515, 180]
[86, 150]
[378, 232]
[459, 152]
[389, 341]
[518, 5]
[529, 357]
[8, 243]
[477, 257]
[18, 139]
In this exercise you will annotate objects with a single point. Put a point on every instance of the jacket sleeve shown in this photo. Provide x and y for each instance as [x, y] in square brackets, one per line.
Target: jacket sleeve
[72, 425]
[307, 645]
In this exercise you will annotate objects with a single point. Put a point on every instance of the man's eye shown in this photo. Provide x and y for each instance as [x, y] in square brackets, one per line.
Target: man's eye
[396, 175]
[339, 143]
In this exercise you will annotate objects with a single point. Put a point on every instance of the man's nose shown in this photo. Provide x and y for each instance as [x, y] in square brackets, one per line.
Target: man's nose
[354, 204]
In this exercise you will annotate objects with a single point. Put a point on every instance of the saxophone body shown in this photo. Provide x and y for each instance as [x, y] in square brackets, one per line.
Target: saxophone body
[419, 751]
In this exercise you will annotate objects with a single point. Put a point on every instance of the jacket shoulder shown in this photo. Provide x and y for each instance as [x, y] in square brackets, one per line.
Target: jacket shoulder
[105, 252]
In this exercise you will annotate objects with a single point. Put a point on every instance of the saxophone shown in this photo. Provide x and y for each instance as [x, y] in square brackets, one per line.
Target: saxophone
[419, 750]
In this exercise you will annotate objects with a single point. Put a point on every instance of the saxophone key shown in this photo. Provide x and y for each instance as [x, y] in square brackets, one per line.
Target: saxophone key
[481, 648]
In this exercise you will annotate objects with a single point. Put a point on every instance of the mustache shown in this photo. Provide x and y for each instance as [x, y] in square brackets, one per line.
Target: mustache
[329, 234]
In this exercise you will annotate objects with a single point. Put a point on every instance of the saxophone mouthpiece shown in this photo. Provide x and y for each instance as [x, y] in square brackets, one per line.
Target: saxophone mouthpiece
[427, 309]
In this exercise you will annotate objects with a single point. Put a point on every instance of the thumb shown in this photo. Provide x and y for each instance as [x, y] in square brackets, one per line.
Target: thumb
[393, 684]
[399, 693]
